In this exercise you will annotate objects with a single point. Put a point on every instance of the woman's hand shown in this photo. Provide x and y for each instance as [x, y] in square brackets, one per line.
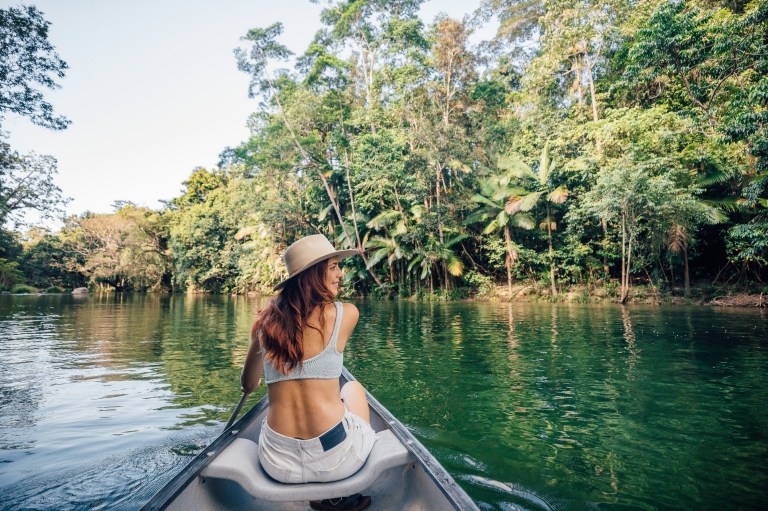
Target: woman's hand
[242, 384]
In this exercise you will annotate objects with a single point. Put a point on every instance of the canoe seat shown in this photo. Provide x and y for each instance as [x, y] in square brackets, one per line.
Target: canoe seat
[239, 462]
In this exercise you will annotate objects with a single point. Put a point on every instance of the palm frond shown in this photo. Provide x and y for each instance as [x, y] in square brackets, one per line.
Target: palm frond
[516, 167]
[488, 186]
[677, 239]
[383, 219]
[416, 260]
[558, 195]
[530, 200]
[324, 212]
[478, 216]
[719, 176]
[426, 266]
[417, 211]
[456, 239]
[714, 215]
[513, 205]
[726, 204]
[455, 266]
[507, 191]
[491, 227]
[523, 220]
[378, 242]
[502, 218]
[377, 257]
[484, 200]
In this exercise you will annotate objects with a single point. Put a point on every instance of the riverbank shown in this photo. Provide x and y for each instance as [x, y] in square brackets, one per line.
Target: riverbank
[702, 293]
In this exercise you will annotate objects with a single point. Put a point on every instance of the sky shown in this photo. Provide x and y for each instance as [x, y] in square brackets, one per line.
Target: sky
[153, 90]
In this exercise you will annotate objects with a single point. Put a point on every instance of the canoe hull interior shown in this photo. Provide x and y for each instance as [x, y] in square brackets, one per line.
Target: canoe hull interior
[420, 484]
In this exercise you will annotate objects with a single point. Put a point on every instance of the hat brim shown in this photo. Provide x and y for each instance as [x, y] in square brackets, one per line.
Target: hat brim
[341, 254]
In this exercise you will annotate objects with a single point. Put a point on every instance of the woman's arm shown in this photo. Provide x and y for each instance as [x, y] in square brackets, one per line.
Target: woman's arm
[250, 378]
[348, 324]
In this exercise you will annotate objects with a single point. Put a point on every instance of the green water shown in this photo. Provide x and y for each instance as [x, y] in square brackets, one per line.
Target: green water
[529, 406]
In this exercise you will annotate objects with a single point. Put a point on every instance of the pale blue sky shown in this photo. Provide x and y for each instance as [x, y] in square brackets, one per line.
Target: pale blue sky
[153, 90]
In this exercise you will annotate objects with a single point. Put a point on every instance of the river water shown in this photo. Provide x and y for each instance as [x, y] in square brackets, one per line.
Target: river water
[529, 406]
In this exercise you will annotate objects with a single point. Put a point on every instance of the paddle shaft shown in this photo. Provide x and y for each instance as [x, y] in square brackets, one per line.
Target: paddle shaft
[237, 410]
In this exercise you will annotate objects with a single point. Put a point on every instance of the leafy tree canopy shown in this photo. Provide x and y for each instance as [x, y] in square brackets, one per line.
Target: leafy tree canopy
[28, 61]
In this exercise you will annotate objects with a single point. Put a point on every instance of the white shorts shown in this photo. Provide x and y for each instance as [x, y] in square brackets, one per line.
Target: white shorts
[290, 460]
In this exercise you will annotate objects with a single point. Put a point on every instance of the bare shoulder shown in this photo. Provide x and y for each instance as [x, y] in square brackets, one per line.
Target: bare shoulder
[349, 320]
[351, 314]
[255, 336]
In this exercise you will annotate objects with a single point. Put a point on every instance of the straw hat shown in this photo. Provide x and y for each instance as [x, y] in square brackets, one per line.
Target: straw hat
[308, 251]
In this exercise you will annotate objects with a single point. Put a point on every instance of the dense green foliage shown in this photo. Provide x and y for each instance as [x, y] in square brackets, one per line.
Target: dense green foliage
[590, 141]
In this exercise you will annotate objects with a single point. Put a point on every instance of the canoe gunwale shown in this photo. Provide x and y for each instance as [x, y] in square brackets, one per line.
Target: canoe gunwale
[163, 498]
[453, 492]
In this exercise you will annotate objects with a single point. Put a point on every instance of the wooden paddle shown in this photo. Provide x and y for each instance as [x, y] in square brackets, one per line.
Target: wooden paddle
[237, 410]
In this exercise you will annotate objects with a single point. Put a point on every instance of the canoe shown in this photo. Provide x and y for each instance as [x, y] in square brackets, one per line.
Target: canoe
[226, 476]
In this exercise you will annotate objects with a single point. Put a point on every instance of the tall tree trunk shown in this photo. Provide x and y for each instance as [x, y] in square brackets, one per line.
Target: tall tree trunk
[510, 259]
[444, 266]
[446, 112]
[440, 282]
[591, 80]
[623, 256]
[438, 175]
[629, 267]
[359, 240]
[606, 269]
[598, 147]
[672, 271]
[352, 203]
[685, 269]
[551, 253]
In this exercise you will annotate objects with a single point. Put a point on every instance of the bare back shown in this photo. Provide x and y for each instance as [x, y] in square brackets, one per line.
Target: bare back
[307, 408]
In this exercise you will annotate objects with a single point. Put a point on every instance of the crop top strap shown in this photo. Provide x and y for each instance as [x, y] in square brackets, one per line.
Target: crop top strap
[336, 326]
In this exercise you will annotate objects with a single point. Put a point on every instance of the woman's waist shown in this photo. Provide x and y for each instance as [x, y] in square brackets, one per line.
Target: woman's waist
[297, 413]
[323, 440]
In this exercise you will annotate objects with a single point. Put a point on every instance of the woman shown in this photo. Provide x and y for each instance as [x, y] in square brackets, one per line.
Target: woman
[313, 432]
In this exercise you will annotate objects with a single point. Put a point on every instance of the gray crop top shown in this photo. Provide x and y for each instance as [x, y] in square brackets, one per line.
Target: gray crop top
[326, 365]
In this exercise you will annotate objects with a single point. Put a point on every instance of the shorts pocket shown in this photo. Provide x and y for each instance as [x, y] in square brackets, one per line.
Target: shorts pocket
[275, 470]
[363, 439]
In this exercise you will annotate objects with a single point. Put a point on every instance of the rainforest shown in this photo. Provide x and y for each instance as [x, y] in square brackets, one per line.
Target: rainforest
[602, 149]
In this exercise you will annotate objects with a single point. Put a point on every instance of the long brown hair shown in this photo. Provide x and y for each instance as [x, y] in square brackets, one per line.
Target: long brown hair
[283, 320]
